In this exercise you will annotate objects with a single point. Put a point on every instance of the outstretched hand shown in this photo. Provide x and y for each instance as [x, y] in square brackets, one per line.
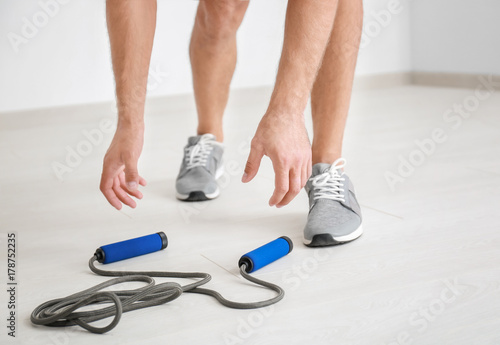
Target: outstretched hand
[283, 138]
[120, 178]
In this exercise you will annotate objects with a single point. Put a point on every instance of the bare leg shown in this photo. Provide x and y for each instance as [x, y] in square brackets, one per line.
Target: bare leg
[331, 92]
[213, 59]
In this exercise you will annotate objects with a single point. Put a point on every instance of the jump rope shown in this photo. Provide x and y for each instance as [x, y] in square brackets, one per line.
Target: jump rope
[63, 312]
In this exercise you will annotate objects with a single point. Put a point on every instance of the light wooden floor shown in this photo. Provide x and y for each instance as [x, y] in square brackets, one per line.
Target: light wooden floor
[426, 271]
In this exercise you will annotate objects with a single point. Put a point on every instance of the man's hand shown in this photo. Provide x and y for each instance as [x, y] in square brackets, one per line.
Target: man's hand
[283, 138]
[281, 134]
[120, 177]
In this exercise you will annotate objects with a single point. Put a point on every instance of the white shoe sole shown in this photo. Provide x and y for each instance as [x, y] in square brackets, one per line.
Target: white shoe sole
[338, 239]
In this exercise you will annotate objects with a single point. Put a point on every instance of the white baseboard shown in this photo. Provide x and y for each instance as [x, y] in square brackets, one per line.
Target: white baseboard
[436, 79]
[383, 80]
[459, 80]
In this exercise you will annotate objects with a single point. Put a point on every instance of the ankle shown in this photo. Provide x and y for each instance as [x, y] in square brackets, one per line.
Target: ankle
[324, 150]
[219, 135]
[325, 157]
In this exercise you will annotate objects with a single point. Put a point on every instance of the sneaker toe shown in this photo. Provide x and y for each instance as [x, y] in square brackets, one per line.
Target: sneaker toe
[196, 180]
[329, 217]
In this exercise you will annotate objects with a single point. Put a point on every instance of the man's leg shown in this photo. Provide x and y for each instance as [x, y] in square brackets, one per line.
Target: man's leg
[213, 59]
[331, 93]
[334, 213]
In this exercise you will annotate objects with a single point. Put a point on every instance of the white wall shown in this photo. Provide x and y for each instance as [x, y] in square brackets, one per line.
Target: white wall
[385, 44]
[67, 60]
[456, 36]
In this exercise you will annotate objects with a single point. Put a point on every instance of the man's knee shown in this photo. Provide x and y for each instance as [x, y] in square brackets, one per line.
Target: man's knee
[220, 19]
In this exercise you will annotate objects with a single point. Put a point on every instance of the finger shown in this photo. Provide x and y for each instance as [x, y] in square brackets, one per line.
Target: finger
[131, 174]
[253, 164]
[309, 168]
[281, 176]
[142, 181]
[106, 188]
[304, 176]
[121, 194]
[137, 193]
[293, 188]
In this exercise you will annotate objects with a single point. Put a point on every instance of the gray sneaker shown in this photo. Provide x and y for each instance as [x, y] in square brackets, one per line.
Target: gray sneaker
[334, 213]
[200, 169]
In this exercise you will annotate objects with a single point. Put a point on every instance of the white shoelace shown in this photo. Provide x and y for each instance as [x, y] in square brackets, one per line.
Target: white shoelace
[328, 184]
[197, 155]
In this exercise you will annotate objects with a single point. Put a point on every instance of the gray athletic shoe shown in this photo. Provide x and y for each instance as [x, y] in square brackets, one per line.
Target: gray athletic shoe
[334, 213]
[200, 169]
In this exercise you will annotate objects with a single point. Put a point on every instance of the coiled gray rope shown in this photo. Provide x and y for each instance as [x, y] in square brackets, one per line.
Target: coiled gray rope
[62, 312]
